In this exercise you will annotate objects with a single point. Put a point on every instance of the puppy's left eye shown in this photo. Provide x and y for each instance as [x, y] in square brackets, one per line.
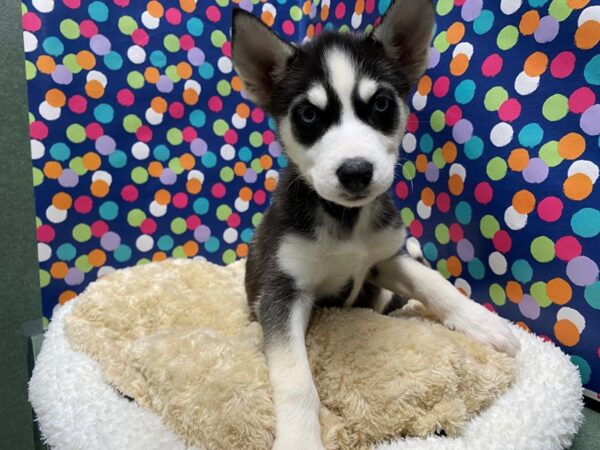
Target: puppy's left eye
[308, 115]
[381, 104]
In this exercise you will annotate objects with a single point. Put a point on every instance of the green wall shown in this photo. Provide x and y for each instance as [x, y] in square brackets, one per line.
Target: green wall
[19, 284]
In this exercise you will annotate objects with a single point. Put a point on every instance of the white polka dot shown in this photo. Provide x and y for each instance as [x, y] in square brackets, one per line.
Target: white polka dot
[585, 167]
[43, 6]
[194, 85]
[157, 210]
[224, 64]
[566, 313]
[199, 258]
[589, 13]
[144, 243]
[227, 152]
[525, 85]
[419, 101]
[55, 215]
[153, 118]
[30, 42]
[195, 174]
[271, 173]
[501, 134]
[105, 270]
[44, 252]
[509, 7]
[497, 263]
[423, 211]
[238, 122]
[37, 149]
[230, 235]
[48, 111]
[409, 143]
[241, 205]
[267, 7]
[514, 220]
[150, 22]
[356, 20]
[461, 283]
[136, 54]
[102, 175]
[463, 47]
[458, 169]
[140, 150]
[98, 76]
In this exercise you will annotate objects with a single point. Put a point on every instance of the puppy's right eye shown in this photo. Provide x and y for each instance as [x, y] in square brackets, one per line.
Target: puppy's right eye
[308, 115]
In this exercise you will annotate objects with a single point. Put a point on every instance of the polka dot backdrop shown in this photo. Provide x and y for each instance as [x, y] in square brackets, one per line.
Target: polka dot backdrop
[144, 146]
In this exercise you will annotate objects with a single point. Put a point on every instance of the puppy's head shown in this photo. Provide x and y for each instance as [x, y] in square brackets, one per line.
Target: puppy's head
[339, 101]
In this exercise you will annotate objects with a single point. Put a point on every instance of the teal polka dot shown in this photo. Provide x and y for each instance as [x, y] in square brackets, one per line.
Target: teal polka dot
[66, 252]
[383, 5]
[522, 271]
[247, 234]
[198, 118]
[591, 72]
[536, 3]
[117, 159]
[430, 251]
[426, 143]
[201, 206]
[98, 11]
[209, 160]
[113, 60]
[245, 154]
[474, 147]
[109, 210]
[476, 269]
[586, 222]
[584, 368]
[122, 253]
[592, 295]
[165, 243]
[158, 59]
[53, 46]
[206, 71]
[484, 22]
[161, 152]
[531, 135]
[104, 113]
[195, 26]
[465, 91]
[60, 151]
[463, 212]
[212, 245]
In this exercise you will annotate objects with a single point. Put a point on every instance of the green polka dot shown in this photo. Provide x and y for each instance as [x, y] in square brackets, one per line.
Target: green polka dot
[409, 171]
[507, 38]
[127, 25]
[496, 168]
[30, 70]
[223, 88]
[296, 13]
[222, 2]
[442, 234]
[44, 278]
[559, 9]
[257, 219]
[76, 165]
[38, 177]
[438, 158]
[442, 267]
[584, 368]
[82, 232]
[540, 294]
[441, 42]
[143, 262]
[178, 225]
[226, 174]
[139, 175]
[174, 136]
[135, 79]
[555, 107]
[131, 123]
[135, 217]
[172, 74]
[175, 166]
[76, 133]
[69, 29]
[223, 212]
[83, 264]
[549, 154]
[407, 216]
[488, 226]
[542, 249]
[437, 121]
[256, 166]
[494, 98]
[229, 256]
[171, 43]
[218, 38]
[443, 7]
[70, 63]
[497, 294]
[220, 127]
[179, 252]
[256, 139]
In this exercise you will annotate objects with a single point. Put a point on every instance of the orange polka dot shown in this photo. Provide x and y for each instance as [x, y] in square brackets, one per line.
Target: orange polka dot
[159, 105]
[56, 98]
[587, 35]
[270, 184]
[523, 201]
[151, 74]
[65, 296]
[236, 83]
[310, 31]
[529, 22]
[578, 186]
[514, 291]
[306, 7]
[193, 186]
[266, 162]
[45, 64]
[162, 197]
[518, 159]
[239, 169]
[94, 89]
[535, 64]
[187, 5]
[187, 161]
[424, 86]
[91, 161]
[428, 196]
[242, 110]
[159, 256]
[324, 12]
[577, 4]
[155, 9]
[459, 64]
[523, 326]
[242, 250]
[571, 146]
[184, 70]
[86, 59]
[449, 152]
[59, 270]
[455, 33]
[559, 291]
[566, 332]
[100, 188]
[267, 18]
[155, 169]
[190, 97]
[97, 257]
[455, 184]
[245, 194]
[421, 163]
[190, 248]
[359, 8]
[62, 201]
[454, 266]
[52, 170]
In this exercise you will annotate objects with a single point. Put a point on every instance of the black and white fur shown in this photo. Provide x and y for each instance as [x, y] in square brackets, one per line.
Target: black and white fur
[332, 235]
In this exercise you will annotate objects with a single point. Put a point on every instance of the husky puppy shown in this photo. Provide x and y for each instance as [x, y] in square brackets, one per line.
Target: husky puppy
[332, 235]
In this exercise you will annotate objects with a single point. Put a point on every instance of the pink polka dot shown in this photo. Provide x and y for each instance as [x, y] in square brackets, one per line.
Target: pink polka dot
[173, 16]
[180, 200]
[441, 86]
[226, 49]
[121, 3]
[453, 115]
[144, 133]
[492, 65]
[77, 104]
[215, 104]
[416, 228]
[45, 233]
[88, 28]
[234, 220]
[562, 65]
[189, 134]
[340, 10]
[218, 190]
[257, 115]
[83, 204]
[187, 42]
[412, 123]
[509, 110]
[402, 190]
[550, 209]
[502, 241]
[489, 307]
[94, 130]
[140, 37]
[38, 130]
[268, 137]
[231, 136]
[567, 248]
[125, 97]
[148, 226]
[213, 14]
[193, 222]
[260, 197]
[73, 4]
[99, 228]
[176, 110]
[456, 232]
[459, 2]
[319, 28]
[31, 22]
[442, 202]
[581, 99]
[484, 193]
[288, 27]
[129, 193]
[370, 6]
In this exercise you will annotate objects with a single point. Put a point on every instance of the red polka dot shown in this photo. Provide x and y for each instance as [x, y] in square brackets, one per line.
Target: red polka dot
[83, 204]
[186, 42]
[509, 110]
[77, 104]
[412, 123]
[567, 248]
[180, 200]
[260, 197]
[88, 28]
[268, 137]
[319, 28]
[484, 193]
[416, 228]
[257, 115]
[234, 220]
[562, 65]
[189, 134]
[125, 97]
[492, 65]
[370, 6]
[176, 110]
[31, 22]
[99, 228]
[193, 222]
[38, 130]
[340, 10]
[218, 190]
[121, 3]
[453, 115]
[226, 49]
[94, 130]
[442, 202]
[402, 190]
[148, 226]
[456, 232]
[489, 307]
[73, 4]
[140, 37]
[173, 16]
[581, 99]
[215, 104]
[288, 27]
[502, 241]
[231, 136]
[550, 209]
[144, 133]
[213, 14]
[441, 86]
[45, 233]
[129, 193]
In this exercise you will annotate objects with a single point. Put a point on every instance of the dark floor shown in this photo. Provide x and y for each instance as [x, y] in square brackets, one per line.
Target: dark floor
[589, 435]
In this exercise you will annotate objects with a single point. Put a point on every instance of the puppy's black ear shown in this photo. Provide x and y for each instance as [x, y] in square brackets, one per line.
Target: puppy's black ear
[405, 33]
[259, 56]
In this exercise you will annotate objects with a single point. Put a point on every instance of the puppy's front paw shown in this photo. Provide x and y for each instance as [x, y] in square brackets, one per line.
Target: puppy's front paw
[484, 326]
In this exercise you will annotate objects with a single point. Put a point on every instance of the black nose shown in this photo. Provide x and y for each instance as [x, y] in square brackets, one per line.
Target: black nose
[355, 174]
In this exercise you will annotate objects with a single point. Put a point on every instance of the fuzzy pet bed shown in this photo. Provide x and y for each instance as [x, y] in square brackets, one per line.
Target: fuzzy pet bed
[175, 336]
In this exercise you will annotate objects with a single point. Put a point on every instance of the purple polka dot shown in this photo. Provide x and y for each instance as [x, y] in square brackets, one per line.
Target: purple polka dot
[465, 250]
[202, 233]
[434, 58]
[164, 84]
[582, 271]
[590, 120]
[432, 173]
[546, 30]
[198, 147]
[62, 75]
[100, 45]
[168, 177]
[105, 145]
[74, 277]
[247, 5]
[471, 10]
[250, 176]
[529, 307]
[196, 56]
[110, 241]
[68, 178]
[462, 131]
[275, 149]
[536, 171]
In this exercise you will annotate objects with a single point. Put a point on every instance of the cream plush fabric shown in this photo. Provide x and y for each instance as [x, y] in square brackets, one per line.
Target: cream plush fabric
[176, 337]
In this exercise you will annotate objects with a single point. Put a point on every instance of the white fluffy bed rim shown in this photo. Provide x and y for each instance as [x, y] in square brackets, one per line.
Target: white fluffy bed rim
[77, 410]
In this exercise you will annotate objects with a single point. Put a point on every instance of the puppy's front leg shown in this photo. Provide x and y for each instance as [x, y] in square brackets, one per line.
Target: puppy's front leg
[295, 396]
[410, 278]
